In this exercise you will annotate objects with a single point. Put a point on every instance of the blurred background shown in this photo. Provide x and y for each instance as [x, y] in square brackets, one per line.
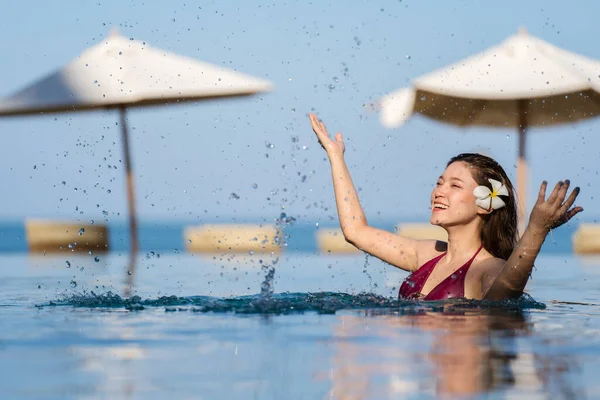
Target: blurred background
[307, 324]
[249, 159]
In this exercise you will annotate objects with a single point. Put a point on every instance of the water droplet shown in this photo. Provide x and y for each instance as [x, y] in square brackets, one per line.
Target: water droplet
[90, 252]
[128, 272]
[254, 186]
[91, 222]
[67, 264]
[81, 231]
[269, 145]
[109, 191]
[251, 252]
[189, 240]
[63, 183]
[96, 259]
[73, 284]
[407, 57]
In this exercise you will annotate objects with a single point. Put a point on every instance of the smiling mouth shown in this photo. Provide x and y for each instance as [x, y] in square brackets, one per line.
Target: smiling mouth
[439, 207]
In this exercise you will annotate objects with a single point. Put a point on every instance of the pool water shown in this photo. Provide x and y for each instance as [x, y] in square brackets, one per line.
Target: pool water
[199, 328]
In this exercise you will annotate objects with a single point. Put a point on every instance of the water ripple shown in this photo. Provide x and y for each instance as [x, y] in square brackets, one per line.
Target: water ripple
[287, 303]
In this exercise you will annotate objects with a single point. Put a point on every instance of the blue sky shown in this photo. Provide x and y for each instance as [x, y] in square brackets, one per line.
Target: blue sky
[333, 57]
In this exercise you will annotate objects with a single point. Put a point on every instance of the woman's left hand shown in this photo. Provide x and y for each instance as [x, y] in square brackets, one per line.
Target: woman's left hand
[554, 211]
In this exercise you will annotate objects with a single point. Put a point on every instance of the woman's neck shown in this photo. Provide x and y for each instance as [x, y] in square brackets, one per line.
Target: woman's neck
[463, 241]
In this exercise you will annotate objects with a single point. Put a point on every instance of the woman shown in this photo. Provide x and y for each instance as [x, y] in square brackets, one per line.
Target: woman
[474, 202]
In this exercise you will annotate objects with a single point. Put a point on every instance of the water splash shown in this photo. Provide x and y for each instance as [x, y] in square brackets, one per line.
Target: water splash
[291, 303]
[366, 272]
[267, 287]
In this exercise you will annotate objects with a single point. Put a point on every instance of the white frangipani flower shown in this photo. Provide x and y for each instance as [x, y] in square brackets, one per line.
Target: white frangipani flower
[488, 199]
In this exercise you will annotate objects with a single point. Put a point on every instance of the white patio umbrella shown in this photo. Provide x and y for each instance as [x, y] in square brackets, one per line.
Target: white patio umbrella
[523, 82]
[120, 73]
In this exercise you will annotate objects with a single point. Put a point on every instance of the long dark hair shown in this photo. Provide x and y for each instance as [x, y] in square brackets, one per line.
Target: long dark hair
[500, 231]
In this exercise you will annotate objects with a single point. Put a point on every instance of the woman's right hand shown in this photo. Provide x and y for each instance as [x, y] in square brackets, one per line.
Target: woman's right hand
[332, 147]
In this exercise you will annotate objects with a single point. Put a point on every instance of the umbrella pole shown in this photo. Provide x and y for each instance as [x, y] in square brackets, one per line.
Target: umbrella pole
[133, 238]
[522, 172]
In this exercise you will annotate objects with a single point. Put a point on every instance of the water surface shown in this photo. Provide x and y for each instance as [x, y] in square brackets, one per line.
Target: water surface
[199, 328]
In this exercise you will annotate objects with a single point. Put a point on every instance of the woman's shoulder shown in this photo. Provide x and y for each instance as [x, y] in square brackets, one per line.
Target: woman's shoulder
[487, 260]
[428, 250]
[487, 265]
[484, 272]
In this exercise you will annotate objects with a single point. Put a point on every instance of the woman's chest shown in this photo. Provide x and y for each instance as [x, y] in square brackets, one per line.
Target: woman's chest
[444, 276]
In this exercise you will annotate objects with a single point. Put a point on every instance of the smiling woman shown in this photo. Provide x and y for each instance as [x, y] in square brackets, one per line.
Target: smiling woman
[474, 201]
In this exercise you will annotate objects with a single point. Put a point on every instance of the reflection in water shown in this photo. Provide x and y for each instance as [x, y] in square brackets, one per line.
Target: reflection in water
[117, 365]
[445, 354]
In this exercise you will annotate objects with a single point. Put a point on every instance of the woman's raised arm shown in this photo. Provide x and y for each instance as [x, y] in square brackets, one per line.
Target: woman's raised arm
[387, 246]
[547, 214]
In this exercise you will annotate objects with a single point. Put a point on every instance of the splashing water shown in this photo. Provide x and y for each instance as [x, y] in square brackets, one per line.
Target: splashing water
[290, 303]
[368, 274]
[266, 287]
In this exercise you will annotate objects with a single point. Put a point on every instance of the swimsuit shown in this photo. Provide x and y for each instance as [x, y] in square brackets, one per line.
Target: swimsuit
[452, 286]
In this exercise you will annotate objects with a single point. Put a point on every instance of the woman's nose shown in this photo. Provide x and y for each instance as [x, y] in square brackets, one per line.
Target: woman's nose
[439, 191]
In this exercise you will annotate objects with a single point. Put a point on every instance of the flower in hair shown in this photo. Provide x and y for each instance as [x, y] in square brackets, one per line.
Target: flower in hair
[488, 199]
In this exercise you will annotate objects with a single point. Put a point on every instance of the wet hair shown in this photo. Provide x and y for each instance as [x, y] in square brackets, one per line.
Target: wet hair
[500, 230]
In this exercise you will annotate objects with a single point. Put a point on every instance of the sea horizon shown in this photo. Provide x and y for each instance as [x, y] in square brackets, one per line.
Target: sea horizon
[167, 235]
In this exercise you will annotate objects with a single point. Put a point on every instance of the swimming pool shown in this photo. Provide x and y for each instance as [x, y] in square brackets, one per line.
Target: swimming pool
[187, 338]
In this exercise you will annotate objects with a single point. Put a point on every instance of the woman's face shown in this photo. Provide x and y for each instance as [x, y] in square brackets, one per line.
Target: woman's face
[452, 199]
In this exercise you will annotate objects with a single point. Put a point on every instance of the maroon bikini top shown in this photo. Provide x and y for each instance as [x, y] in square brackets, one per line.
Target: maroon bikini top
[451, 287]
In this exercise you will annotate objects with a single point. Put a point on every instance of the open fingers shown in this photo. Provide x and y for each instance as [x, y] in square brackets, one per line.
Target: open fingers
[542, 192]
[572, 212]
[562, 192]
[554, 194]
[571, 199]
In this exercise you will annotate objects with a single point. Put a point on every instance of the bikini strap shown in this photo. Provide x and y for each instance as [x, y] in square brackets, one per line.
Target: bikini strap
[474, 255]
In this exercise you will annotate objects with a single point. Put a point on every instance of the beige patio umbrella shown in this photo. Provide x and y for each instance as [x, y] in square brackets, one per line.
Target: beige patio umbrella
[120, 73]
[523, 82]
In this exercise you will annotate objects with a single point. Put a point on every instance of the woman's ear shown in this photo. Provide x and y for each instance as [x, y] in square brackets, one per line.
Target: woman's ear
[483, 211]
